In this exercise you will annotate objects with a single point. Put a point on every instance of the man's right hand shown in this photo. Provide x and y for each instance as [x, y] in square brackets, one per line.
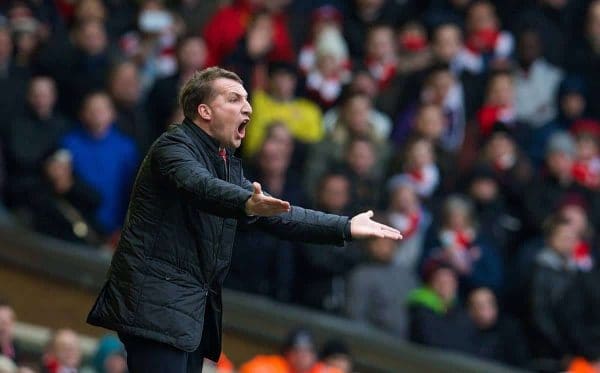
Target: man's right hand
[262, 205]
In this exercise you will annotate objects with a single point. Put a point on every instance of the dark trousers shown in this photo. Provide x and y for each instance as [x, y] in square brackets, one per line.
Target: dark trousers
[148, 356]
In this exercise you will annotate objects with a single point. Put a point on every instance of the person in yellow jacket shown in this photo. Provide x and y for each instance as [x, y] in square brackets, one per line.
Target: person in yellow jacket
[279, 104]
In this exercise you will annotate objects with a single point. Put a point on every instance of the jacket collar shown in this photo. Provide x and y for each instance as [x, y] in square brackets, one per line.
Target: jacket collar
[204, 138]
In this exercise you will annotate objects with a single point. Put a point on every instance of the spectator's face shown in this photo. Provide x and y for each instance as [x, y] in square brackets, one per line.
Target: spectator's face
[563, 239]
[530, 48]
[192, 54]
[481, 17]
[341, 362]
[484, 190]
[87, 10]
[573, 105]
[382, 249]
[447, 42]
[577, 217]
[272, 160]
[301, 359]
[380, 44]
[421, 155]
[58, 170]
[560, 164]
[98, 114]
[587, 148]
[499, 147]
[404, 200]
[26, 43]
[115, 364]
[593, 22]
[282, 137]
[66, 349]
[356, 115]
[6, 46]
[92, 38]
[430, 122]
[7, 323]
[328, 65]
[482, 308]
[125, 87]
[458, 220]
[364, 82]
[228, 113]
[334, 193]
[42, 96]
[438, 86]
[500, 92]
[361, 157]
[369, 6]
[444, 283]
[283, 85]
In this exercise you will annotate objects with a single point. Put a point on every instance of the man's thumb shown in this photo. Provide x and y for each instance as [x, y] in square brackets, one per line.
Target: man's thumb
[257, 188]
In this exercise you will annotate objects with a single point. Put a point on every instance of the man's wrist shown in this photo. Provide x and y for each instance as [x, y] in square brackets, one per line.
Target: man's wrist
[348, 231]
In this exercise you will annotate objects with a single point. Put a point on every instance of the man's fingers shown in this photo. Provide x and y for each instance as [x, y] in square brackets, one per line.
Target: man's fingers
[257, 188]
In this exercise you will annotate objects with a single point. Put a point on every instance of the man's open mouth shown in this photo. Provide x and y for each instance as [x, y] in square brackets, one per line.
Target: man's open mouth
[242, 127]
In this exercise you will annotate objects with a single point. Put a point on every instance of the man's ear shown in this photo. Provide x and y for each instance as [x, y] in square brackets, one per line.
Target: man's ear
[204, 112]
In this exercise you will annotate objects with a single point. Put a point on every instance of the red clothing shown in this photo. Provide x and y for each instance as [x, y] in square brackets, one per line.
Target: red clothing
[228, 25]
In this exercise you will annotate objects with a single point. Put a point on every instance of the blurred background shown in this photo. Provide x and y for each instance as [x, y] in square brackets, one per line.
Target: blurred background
[471, 126]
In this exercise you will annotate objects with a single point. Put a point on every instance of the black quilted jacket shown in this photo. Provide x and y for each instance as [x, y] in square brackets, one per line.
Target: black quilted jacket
[165, 279]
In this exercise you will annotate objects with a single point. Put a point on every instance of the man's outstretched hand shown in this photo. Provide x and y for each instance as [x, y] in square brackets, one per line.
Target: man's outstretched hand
[361, 226]
[260, 204]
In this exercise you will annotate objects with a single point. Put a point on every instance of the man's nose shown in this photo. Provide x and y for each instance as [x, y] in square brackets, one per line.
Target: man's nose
[247, 109]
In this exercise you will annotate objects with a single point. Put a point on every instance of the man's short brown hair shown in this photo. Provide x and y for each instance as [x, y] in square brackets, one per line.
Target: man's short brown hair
[199, 89]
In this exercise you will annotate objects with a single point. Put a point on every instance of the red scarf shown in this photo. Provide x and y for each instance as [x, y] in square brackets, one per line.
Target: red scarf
[407, 224]
[587, 173]
[483, 41]
[582, 257]
[383, 72]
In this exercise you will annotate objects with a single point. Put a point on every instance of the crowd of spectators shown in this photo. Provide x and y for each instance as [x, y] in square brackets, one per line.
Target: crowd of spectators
[472, 126]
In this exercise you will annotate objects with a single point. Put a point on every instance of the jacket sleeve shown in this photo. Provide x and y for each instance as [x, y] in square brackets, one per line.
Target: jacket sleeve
[175, 163]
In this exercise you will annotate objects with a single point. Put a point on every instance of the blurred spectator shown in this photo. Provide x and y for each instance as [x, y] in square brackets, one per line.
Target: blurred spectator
[27, 32]
[552, 276]
[103, 158]
[124, 87]
[336, 354]
[162, 98]
[322, 18]
[85, 68]
[29, 139]
[279, 103]
[407, 214]
[413, 48]
[546, 192]
[586, 170]
[110, 356]
[8, 346]
[299, 355]
[487, 45]
[571, 106]
[354, 122]
[360, 165]
[458, 242]
[264, 264]
[366, 13]
[443, 89]
[324, 82]
[585, 58]
[499, 104]
[495, 218]
[152, 46]
[381, 58]
[64, 205]
[13, 78]
[536, 81]
[584, 255]
[498, 337]
[228, 25]
[322, 270]
[436, 317]
[377, 291]
[63, 353]
[419, 166]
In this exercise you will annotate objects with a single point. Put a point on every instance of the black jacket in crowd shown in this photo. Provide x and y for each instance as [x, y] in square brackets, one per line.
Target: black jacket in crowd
[165, 278]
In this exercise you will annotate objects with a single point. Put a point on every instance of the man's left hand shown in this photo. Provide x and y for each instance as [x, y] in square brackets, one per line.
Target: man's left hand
[361, 226]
